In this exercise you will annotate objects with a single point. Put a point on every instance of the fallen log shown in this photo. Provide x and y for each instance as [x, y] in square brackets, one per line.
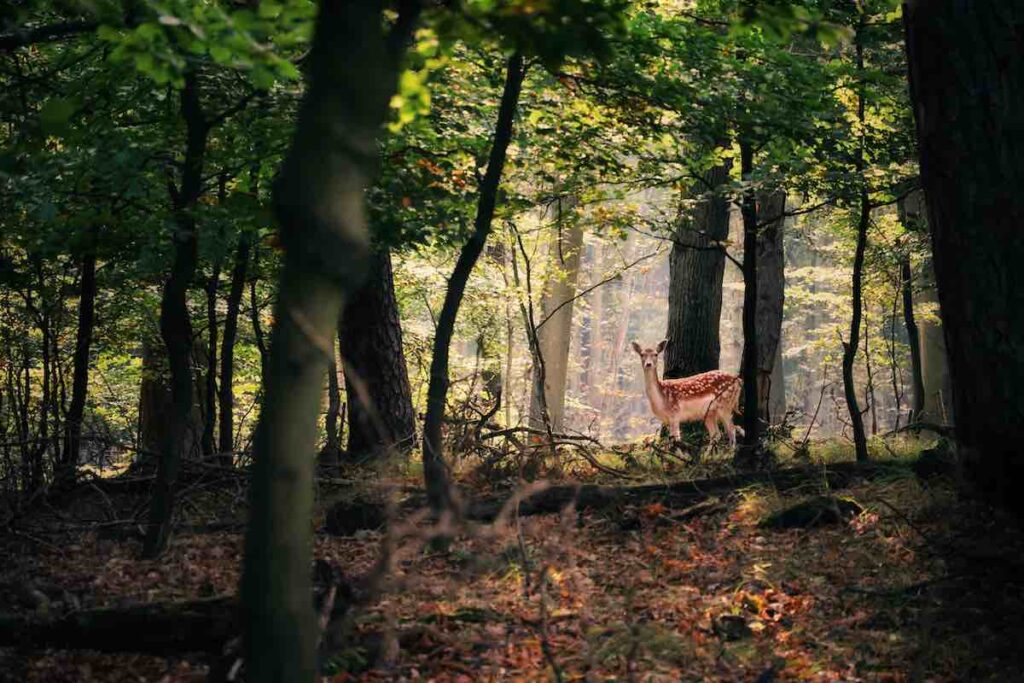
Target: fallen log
[160, 628]
[554, 499]
[165, 628]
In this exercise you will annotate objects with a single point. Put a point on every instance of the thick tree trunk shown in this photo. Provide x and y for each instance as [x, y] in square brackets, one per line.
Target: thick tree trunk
[751, 443]
[319, 203]
[851, 345]
[434, 468]
[771, 298]
[175, 323]
[226, 435]
[696, 270]
[380, 413]
[80, 374]
[554, 329]
[967, 88]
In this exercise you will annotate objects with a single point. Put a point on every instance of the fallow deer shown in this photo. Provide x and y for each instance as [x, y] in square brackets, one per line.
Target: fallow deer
[710, 397]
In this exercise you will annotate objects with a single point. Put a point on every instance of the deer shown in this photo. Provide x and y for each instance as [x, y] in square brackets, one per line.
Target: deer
[710, 397]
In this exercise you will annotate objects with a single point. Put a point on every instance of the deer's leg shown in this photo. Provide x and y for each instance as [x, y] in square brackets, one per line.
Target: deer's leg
[673, 429]
[730, 429]
[711, 422]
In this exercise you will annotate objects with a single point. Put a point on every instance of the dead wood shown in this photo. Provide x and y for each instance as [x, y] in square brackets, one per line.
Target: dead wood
[156, 628]
[681, 494]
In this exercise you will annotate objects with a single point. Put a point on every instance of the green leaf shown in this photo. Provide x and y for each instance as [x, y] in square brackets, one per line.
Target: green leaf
[55, 115]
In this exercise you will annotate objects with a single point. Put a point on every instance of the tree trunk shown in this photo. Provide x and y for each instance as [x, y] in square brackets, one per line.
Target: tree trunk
[911, 213]
[851, 345]
[175, 323]
[771, 298]
[434, 468]
[913, 337]
[226, 436]
[938, 387]
[319, 204]
[967, 88]
[596, 350]
[330, 454]
[696, 270]
[747, 454]
[210, 376]
[380, 413]
[254, 320]
[80, 379]
[554, 329]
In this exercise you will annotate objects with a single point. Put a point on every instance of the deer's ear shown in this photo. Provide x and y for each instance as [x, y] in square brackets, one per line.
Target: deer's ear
[662, 344]
[636, 347]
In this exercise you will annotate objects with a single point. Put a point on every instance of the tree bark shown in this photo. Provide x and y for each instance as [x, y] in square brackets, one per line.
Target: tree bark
[913, 337]
[911, 210]
[319, 204]
[771, 299]
[554, 329]
[330, 454]
[226, 395]
[175, 323]
[210, 376]
[751, 443]
[938, 387]
[434, 468]
[967, 88]
[851, 345]
[696, 270]
[380, 413]
[80, 373]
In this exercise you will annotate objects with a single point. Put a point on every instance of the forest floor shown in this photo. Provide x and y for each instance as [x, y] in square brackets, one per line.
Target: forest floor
[919, 586]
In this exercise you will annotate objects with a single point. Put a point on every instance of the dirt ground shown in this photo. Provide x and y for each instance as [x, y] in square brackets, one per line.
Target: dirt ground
[920, 586]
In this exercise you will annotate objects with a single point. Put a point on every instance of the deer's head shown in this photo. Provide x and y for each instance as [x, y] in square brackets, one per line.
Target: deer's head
[649, 357]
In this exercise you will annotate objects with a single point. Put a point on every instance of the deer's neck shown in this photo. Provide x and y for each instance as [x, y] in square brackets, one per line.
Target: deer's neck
[652, 385]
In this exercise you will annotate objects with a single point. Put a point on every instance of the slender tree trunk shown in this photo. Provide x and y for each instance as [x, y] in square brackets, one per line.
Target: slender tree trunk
[967, 88]
[226, 440]
[434, 469]
[851, 345]
[596, 352]
[257, 326]
[80, 380]
[771, 299]
[938, 387]
[380, 413]
[910, 212]
[869, 389]
[751, 443]
[319, 203]
[913, 337]
[330, 454]
[696, 271]
[175, 323]
[210, 376]
[554, 329]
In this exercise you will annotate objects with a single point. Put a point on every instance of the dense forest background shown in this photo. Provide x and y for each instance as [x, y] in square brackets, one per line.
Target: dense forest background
[328, 250]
